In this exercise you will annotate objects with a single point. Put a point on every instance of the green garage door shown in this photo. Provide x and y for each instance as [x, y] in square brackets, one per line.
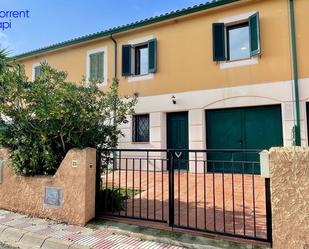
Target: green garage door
[242, 128]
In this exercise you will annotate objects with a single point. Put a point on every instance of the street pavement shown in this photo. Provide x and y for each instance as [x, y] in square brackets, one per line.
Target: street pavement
[28, 232]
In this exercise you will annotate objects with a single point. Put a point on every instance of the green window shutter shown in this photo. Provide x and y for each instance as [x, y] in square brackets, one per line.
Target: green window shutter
[254, 30]
[218, 41]
[100, 68]
[92, 67]
[152, 55]
[37, 71]
[126, 60]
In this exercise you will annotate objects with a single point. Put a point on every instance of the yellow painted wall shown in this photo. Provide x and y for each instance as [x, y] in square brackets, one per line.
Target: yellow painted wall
[185, 52]
[302, 36]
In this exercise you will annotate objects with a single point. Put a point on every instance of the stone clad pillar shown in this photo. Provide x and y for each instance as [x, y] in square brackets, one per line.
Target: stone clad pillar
[197, 138]
[289, 175]
[157, 128]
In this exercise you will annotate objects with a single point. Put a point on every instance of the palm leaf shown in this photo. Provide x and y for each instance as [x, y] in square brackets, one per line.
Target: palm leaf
[5, 60]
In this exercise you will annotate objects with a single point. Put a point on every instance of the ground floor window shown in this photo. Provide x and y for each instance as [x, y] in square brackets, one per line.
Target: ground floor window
[141, 128]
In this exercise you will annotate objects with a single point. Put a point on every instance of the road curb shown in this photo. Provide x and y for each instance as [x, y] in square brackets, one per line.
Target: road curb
[12, 234]
[53, 243]
[77, 246]
[153, 238]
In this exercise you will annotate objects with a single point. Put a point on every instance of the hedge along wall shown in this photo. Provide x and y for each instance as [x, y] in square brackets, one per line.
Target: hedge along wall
[289, 176]
[70, 192]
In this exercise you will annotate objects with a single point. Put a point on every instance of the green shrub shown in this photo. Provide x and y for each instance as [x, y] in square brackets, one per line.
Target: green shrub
[46, 118]
[114, 199]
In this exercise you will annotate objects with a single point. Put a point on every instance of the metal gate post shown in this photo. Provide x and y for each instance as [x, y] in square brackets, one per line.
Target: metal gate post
[98, 182]
[268, 210]
[170, 187]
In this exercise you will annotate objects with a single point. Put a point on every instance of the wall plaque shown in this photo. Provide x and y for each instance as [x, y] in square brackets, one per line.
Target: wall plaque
[53, 196]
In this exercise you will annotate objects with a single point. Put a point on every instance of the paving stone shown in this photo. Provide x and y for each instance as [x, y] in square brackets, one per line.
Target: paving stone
[77, 246]
[88, 241]
[33, 239]
[4, 211]
[14, 222]
[60, 234]
[35, 228]
[2, 227]
[53, 243]
[12, 234]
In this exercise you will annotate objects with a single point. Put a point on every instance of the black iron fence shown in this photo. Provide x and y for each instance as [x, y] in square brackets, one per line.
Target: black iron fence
[215, 191]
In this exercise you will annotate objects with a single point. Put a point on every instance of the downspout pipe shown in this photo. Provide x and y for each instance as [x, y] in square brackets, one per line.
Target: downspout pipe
[297, 138]
[115, 77]
[115, 55]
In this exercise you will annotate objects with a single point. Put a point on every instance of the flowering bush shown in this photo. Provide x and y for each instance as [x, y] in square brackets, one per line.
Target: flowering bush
[48, 116]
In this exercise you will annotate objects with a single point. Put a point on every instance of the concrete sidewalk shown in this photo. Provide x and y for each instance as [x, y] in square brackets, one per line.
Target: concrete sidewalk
[27, 232]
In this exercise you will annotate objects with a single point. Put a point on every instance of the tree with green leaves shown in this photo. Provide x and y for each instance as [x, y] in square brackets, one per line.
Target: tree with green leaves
[47, 117]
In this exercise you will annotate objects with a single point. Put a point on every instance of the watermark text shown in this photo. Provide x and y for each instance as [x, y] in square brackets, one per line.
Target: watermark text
[7, 17]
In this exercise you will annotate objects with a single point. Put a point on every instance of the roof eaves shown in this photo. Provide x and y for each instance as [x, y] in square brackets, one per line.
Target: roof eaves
[130, 26]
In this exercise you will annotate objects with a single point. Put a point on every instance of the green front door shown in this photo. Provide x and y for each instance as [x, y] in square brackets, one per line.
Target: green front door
[177, 137]
[242, 128]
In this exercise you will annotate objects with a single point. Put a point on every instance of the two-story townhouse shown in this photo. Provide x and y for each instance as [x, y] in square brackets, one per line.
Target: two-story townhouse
[223, 75]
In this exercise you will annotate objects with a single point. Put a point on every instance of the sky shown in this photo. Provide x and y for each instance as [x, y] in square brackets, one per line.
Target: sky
[53, 21]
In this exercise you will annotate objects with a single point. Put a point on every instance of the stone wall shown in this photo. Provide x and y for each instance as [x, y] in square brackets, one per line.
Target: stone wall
[77, 185]
[289, 174]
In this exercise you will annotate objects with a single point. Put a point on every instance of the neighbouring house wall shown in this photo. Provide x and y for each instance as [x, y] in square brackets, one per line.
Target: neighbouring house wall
[26, 194]
[289, 174]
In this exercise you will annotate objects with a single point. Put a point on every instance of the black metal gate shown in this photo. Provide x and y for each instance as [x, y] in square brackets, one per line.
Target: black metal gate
[219, 192]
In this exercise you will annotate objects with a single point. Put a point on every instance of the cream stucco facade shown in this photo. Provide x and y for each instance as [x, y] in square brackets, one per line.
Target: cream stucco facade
[197, 102]
[185, 69]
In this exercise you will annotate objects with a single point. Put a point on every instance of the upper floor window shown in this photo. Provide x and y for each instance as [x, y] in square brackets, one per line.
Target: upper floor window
[139, 59]
[238, 46]
[141, 128]
[37, 71]
[238, 41]
[97, 65]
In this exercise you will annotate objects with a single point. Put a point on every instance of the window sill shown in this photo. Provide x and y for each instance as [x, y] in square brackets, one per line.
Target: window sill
[98, 84]
[135, 78]
[239, 63]
[101, 84]
[140, 142]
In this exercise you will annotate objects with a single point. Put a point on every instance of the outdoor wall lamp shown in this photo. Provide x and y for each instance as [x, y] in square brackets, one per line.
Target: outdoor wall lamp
[174, 100]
